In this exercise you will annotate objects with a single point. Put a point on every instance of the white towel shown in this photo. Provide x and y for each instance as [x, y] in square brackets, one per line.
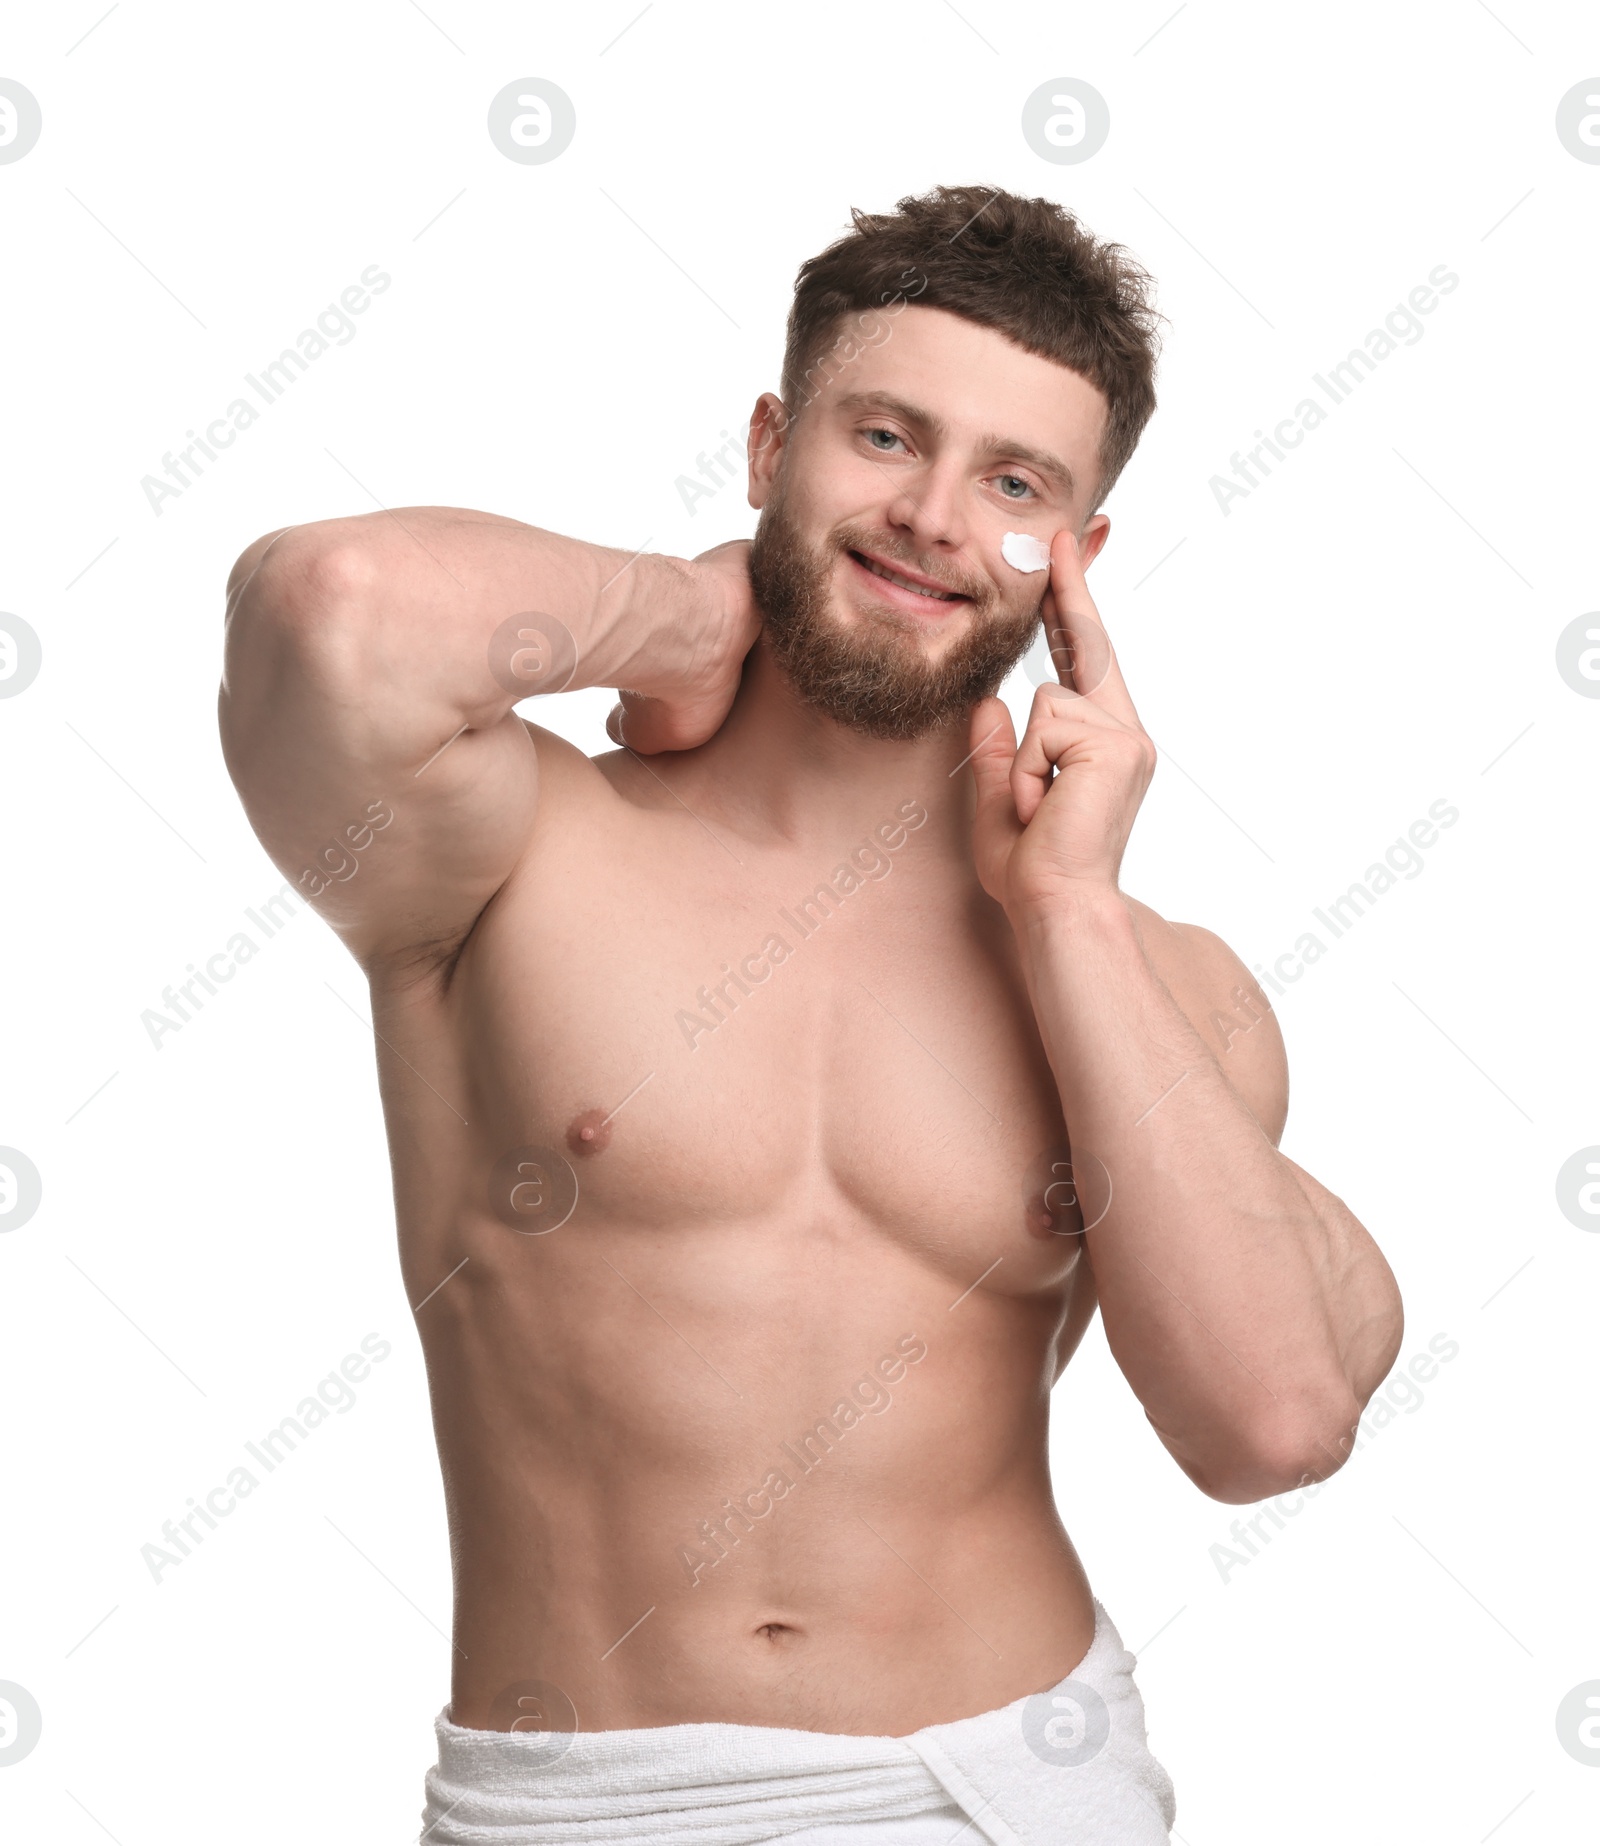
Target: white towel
[1067, 1767]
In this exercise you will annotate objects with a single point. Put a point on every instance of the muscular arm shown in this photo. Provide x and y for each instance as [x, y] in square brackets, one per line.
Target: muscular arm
[372, 741]
[1250, 1311]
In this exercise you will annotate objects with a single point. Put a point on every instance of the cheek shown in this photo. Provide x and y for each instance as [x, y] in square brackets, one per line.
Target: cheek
[858, 483]
[818, 498]
[1018, 592]
[1025, 554]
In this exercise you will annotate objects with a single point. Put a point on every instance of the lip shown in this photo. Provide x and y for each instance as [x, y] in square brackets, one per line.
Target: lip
[908, 600]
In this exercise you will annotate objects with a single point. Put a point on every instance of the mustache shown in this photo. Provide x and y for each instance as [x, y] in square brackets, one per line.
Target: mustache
[890, 550]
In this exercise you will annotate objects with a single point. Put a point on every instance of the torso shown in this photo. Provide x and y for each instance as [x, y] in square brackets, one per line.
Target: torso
[823, 1210]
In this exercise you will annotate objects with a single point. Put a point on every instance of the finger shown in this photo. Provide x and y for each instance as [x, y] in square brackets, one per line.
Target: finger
[993, 741]
[1079, 644]
[1064, 733]
[650, 725]
[647, 725]
[1080, 656]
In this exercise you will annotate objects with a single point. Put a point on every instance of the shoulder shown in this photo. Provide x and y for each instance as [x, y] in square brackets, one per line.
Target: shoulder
[613, 788]
[567, 774]
[1226, 1005]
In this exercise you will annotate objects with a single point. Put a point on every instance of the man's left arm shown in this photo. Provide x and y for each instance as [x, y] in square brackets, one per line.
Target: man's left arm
[1250, 1311]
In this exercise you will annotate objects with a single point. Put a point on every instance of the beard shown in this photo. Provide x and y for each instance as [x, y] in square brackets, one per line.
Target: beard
[875, 678]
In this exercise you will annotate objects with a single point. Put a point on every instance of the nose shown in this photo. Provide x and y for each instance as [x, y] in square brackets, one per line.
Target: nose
[931, 510]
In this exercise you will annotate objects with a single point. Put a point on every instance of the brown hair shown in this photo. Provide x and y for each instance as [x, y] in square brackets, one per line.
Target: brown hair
[1025, 267]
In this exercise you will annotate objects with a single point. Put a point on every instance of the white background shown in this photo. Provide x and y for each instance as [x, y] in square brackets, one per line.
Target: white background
[1370, 631]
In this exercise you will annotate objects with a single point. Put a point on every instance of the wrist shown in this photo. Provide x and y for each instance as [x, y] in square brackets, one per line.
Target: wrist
[648, 614]
[1070, 909]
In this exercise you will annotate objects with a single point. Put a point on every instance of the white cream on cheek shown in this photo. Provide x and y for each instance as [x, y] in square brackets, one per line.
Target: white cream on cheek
[1024, 552]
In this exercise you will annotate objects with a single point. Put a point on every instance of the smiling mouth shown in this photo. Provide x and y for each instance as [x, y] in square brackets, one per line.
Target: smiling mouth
[905, 583]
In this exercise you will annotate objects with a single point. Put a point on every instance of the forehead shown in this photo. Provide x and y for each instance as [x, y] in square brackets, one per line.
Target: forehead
[979, 384]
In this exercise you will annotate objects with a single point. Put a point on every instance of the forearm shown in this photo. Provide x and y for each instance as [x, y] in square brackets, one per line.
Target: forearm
[1245, 1317]
[416, 607]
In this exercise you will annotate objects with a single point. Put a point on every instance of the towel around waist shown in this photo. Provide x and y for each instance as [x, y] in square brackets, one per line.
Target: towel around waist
[709, 1784]
[742, 1784]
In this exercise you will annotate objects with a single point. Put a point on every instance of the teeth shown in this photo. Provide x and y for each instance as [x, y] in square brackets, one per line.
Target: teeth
[943, 596]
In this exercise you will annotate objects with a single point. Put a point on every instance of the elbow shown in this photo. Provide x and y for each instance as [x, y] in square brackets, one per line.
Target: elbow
[300, 613]
[1280, 1452]
[303, 578]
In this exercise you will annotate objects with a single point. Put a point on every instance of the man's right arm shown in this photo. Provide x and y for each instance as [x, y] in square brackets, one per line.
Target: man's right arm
[376, 751]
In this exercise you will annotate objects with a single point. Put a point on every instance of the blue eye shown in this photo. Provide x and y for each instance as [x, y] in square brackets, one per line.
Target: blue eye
[1018, 480]
[872, 433]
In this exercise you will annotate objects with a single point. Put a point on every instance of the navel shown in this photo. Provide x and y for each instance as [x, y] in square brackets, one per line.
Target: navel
[589, 1133]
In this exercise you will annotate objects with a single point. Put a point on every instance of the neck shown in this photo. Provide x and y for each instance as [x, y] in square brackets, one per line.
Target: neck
[779, 766]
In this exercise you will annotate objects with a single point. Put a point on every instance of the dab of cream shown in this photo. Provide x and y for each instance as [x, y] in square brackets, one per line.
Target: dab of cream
[1024, 552]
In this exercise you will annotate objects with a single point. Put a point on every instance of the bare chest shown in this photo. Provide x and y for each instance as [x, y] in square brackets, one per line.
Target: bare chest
[839, 1049]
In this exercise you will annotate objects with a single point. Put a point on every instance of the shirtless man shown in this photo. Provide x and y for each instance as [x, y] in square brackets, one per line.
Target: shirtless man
[730, 1077]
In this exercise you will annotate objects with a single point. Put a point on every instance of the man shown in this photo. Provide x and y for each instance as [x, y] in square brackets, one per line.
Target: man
[773, 1098]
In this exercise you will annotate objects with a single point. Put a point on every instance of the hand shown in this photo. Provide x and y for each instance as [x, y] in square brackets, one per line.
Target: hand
[1053, 816]
[722, 621]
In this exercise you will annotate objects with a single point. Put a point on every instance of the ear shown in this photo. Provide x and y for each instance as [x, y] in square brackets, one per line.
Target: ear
[769, 429]
[1093, 538]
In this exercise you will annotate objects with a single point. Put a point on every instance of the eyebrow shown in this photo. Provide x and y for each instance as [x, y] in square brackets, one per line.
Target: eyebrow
[1047, 464]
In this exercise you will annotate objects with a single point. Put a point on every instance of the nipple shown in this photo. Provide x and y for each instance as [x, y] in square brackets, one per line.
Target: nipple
[589, 1133]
